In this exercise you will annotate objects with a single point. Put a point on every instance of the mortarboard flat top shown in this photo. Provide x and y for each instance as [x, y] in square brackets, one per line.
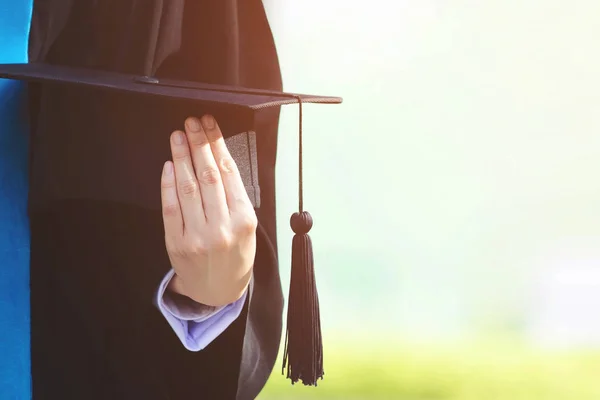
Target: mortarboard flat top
[253, 99]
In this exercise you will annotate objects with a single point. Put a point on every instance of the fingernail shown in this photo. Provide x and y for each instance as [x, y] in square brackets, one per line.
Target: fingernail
[178, 138]
[193, 124]
[168, 170]
[208, 121]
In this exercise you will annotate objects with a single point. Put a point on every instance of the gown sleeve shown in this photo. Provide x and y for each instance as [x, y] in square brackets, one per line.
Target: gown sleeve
[195, 325]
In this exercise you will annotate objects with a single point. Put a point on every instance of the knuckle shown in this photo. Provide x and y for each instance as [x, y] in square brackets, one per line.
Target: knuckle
[198, 248]
[198, 140]
[243, 204]
[167, 183]
[188, 187]
[221, 239]
[209, 176]
[181, 155]
[247, 223]
[170, 210]
[227, 165]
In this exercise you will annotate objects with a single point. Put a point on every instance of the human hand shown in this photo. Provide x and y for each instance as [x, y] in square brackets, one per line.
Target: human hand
[210, 223]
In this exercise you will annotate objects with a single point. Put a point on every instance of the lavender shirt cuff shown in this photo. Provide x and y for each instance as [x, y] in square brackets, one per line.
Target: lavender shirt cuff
[194, 324]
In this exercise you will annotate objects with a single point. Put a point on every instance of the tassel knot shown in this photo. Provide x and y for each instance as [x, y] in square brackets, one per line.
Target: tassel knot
[301, 222]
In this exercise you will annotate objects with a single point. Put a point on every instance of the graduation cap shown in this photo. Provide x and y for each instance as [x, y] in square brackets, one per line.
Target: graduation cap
[235, 108]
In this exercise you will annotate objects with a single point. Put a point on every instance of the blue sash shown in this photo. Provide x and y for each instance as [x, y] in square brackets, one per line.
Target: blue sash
[15, 365]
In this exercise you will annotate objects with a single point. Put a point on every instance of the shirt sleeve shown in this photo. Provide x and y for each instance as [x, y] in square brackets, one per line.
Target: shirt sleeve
[196, 325]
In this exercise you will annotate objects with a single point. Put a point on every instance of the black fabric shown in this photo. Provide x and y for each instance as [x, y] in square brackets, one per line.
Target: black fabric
[97, 238]
[97, 334]
[225, 42]
[98, 145]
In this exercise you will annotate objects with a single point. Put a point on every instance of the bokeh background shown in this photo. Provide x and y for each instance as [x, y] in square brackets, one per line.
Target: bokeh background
[455, 195]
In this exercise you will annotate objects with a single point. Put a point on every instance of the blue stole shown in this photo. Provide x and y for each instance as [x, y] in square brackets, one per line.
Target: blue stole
[15, 364]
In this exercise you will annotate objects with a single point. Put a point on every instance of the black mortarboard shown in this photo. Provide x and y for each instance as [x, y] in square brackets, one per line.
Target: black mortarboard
[235, 109]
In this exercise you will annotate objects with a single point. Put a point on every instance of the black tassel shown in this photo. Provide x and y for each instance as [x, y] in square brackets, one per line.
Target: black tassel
[303, 351]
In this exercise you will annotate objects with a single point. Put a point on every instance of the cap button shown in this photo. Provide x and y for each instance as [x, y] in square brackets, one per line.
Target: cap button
[145, 79]
[301, 222]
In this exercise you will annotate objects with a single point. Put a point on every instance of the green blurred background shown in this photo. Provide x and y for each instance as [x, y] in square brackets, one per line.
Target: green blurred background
[455, 195]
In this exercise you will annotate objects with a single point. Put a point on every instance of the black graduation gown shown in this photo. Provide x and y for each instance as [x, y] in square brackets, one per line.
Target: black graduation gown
[97, 244]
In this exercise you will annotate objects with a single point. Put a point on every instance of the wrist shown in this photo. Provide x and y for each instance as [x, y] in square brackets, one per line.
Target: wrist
[207, 297]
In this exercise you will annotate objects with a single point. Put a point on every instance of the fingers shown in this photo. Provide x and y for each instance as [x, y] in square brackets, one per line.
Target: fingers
[207, 181]
[235, 192]
[188, 190]
[172, 218]
[207, 172]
